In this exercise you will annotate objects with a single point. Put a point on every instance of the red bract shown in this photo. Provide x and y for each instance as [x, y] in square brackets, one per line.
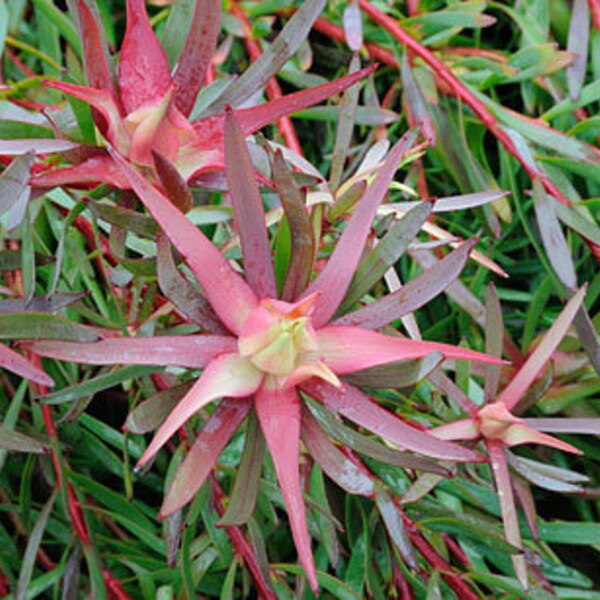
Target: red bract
[146, 112]
[274, 351]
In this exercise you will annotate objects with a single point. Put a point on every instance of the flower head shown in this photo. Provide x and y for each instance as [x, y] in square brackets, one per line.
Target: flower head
[146, 111]
[273, 350]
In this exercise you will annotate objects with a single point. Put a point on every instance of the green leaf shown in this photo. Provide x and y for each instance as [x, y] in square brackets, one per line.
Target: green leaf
[245, 489]
[32, 325]
[33, 544]
[97, 384]
[573, 533]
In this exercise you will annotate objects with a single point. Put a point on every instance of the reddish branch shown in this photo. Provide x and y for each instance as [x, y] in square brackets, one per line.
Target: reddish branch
[285, 125]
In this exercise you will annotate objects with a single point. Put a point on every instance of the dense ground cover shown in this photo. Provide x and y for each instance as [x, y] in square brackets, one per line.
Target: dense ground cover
[299, 298]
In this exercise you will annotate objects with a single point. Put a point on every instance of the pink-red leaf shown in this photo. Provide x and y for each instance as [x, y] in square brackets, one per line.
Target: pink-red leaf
[99, 169]
[350, 349]
[226, 375]
[514, 391]
[248, 210]
[358, 407]
[192, 351]
[494, 335]
[229, 295]
[175, 187]
[96, 66]
[334, 279]
[144, 72]
[253, 119]
[16, 363]
[279, 417]
[204, 454]
[589, 426]
[414, 294]
[507, 505]
[303, 246]
[195, 58]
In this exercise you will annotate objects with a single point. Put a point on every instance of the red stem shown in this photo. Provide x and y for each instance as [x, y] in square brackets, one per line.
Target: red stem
[113, 586]
[242, 546]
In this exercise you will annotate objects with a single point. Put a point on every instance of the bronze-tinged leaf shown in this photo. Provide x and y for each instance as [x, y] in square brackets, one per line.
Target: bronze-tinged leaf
[303, 247]
[175, 187]
[182, 293]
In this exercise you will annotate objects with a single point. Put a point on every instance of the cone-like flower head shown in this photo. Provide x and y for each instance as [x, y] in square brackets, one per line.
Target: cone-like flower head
[147, 111]
[273, 349]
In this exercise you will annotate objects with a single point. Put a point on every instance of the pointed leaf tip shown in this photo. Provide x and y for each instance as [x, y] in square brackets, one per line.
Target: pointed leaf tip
[144, 73]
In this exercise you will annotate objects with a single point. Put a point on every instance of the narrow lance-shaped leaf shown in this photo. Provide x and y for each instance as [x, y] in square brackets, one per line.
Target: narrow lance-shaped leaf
[143, 67]
[588, 336]
[345, 127]
[413, 294]
[195, 58]
[578, 43]
[14, 362]
[279, 417]
[303, 246]
[507, 505]
[204, 454]
[514, 391]
[40, 304]
[245, 489]
[30, 325]
[553, 239]
[15, 190]
[349, 349]
[415, 102]
[227, 292]
[369, 447]
[334, 279]
[152, 412]
[276, 55]
[353, 27]
[392, 520]
[254, 118]
[181, 292]
[397, 375]
[448, 203]
[33, 545]
[332, 460]
[192, 351]
[494, 334]
[95, 51]
[531, 471]
[248, 210]
[227, 375]
[176, 188]
[572, 218]
[386, 254]
[358, 407]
